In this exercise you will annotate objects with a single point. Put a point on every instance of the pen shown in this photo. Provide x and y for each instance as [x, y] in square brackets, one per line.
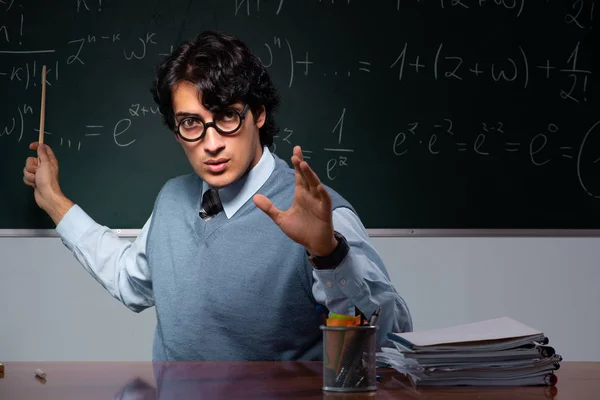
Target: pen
[373, 319]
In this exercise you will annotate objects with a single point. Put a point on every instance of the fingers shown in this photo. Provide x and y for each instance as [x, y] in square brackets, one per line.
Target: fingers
[29, 178]
[306, 177]
[304, 174]
[312, 178]
[297, 151]
[297, 159]
[31, 164]
[48, 149]
[29, 172]
[28, 183]
[267, 206]
[51, 155]
[43, 154]
[300, 178]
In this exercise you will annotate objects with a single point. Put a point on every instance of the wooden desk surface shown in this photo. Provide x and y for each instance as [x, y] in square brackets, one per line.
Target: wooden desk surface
[251, 380]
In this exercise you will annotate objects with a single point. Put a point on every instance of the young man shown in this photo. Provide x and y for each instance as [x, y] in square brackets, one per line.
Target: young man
[236, 256]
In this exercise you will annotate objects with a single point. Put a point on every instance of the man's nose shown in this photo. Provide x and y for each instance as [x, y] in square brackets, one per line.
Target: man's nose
[213, 141]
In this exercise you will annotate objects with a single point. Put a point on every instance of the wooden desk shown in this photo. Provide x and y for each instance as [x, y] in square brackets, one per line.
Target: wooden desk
[251, 380]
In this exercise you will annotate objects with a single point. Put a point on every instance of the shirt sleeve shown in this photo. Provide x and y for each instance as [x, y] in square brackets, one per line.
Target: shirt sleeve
[118, 264]
[361, 281]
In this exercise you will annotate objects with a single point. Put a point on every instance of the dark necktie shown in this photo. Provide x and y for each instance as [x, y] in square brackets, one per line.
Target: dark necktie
[211, 204]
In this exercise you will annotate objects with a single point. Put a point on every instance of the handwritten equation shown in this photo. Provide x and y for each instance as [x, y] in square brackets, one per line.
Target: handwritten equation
[579, 13]
[338, 156]
[89, 5]
[12, 31]
[253, 7]
[119, 133]
[399, 63]
[16, 126]
[27, 74]
[498, 142]
[517, 69]
[136, 51]
[445, 64]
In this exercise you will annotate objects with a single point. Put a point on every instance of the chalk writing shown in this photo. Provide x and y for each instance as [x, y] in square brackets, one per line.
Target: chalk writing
[290, 56]
[27, 74]
[140, 53]
[490, 138]
[5, 36]
[137, 110]
[27, 51]
[588, 161]
[516, 5]
[450, 88]
[446, 64]
[16, 127]
[120, 128]
[340, 158]
[255, 6]
[132, 51]
[4, 33]
[89, 5]
[9, 4]
[93, 130]
[578, 15]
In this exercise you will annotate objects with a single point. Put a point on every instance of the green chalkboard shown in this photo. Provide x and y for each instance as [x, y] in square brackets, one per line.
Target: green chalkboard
[447, 114]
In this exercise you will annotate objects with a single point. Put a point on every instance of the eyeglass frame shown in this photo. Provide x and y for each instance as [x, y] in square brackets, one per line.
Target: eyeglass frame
[241, 114]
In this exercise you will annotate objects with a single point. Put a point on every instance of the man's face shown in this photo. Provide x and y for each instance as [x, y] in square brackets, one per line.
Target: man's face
[218, 159]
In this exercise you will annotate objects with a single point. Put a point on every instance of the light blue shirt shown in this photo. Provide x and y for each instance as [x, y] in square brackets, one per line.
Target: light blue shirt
[121, 265]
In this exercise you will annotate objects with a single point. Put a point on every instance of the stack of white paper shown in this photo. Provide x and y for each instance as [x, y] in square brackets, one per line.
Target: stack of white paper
[495, 352]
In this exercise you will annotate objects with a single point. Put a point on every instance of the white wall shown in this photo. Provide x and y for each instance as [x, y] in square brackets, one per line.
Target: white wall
[52, 310]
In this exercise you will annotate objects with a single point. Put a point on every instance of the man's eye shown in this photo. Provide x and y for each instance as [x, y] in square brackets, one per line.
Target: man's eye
[229, 115]
[189, 123]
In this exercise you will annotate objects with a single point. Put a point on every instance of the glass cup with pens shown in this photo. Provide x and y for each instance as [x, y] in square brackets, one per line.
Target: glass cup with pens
[349, 353]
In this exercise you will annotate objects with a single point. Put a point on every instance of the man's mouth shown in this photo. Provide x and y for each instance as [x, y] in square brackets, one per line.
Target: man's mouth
[217, 165]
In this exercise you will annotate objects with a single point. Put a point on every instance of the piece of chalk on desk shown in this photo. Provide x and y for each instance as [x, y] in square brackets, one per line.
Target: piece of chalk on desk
[40, 374]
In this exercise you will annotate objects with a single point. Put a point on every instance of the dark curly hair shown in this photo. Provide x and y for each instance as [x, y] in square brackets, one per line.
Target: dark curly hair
[225, 71]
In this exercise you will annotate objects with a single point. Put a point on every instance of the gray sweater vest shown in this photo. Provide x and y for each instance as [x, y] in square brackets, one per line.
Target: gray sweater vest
[231, 289]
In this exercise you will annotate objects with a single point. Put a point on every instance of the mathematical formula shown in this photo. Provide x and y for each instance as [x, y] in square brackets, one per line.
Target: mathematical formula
[402, 63]
[501, 143]
[87, 134]
[579, 14]
[27, 74]
[517, 70]
[447, 64]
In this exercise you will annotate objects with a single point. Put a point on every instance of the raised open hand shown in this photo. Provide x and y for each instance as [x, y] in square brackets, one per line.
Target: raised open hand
[309, 220]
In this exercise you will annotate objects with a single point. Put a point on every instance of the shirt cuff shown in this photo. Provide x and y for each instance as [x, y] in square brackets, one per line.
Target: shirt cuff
[345, 281]
[74, 225]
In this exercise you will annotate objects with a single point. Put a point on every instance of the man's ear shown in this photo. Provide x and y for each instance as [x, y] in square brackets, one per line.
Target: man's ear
[260, 118]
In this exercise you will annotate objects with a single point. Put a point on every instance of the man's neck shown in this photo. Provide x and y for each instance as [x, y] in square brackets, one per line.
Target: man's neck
[236, 194]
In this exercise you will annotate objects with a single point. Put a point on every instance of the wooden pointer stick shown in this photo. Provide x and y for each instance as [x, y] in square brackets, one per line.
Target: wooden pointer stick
[43, 107]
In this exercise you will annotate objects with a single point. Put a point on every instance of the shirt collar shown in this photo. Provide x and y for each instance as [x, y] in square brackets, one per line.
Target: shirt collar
[234, 196]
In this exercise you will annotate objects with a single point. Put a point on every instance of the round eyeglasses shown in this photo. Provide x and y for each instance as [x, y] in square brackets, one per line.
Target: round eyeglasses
[225, 122]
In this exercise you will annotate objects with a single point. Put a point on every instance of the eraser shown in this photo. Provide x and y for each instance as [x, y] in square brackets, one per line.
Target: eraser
[1, 370]
[40, 374]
